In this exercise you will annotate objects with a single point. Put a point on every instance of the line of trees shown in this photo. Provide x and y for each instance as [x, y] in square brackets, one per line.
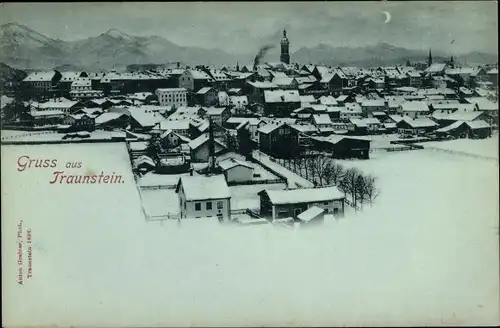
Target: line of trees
[358, 187]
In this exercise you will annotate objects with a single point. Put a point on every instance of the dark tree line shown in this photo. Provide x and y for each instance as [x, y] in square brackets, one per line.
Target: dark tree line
[358, 188]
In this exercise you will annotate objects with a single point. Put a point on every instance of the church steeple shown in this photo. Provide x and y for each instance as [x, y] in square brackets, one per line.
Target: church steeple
[429, 61]
[285, 45]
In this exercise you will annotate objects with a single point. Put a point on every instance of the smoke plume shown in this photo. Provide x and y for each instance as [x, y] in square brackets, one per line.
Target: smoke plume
[262, 52]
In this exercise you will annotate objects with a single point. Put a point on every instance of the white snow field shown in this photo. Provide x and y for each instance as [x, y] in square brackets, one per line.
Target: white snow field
[480, 147]
[425, 254]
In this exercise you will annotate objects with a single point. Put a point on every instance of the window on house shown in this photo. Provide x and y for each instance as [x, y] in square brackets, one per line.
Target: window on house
[220, 204]
[325, 203]
[209, 205]
[197, 206]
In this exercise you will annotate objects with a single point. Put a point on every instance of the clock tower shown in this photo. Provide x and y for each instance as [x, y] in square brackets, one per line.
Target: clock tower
[285, 45]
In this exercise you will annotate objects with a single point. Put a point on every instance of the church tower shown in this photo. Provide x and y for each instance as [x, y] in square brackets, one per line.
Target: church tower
[285, 45]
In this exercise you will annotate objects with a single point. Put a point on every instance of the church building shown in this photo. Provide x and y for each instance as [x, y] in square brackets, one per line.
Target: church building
[285, 45]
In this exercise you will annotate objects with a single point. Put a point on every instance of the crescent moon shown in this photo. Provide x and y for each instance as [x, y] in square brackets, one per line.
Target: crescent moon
[387, 16]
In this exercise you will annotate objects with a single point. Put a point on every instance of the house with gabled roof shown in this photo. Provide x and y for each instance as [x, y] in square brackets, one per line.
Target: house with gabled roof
[206, 96]
[204, 197]
[276, 204]
[279, 139]
[200, 148]
[193, 80]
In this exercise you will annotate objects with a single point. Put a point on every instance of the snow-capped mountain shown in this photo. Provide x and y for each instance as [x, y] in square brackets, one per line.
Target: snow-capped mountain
[22, 47]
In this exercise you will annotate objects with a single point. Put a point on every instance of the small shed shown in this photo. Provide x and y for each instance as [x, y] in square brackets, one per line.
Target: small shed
[313, 215]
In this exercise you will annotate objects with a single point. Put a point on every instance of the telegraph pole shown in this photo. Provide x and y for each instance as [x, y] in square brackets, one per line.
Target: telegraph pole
[211, 146]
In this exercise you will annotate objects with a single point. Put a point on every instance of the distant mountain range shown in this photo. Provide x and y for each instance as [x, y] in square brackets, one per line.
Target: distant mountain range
[25, 48]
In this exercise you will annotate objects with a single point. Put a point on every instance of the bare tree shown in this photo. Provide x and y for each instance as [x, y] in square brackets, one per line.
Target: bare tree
[337, 171]
[360, 189]
[348, 184]
[370, 188]
[319, 168]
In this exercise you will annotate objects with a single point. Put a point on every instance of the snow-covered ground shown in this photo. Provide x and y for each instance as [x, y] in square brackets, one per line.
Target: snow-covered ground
[154, 179]
[12, 133]
[482, 147]
[160, 202]
[425, 254]
[293, 179]
[243, 197]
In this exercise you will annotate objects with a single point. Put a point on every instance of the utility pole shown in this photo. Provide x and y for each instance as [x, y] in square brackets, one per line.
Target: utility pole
[211, 146]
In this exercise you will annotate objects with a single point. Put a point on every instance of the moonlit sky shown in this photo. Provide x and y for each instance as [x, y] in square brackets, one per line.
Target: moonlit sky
[241, 27]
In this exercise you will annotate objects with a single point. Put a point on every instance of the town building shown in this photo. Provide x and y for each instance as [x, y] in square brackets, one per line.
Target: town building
[281, 102]
[172, 97]
[41, 83]
[204, 197]
[279, 140]
[277, 204]
[200, 148]
[207, 96]
[193, 80]
[236, 170]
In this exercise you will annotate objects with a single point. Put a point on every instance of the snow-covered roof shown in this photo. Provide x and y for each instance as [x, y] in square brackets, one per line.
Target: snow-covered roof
[202, 139]
[106, 117]
[4, 101]
[40, 76]
[415, 106]
[436, 67]
[280, 96]
[65, 103]
[450, 127]
[204, 90]
[199, 75]
[307, 99]
[328, 100]
[268, 128]
[283, 80]
[373, 103]
[144, 160]
[239, 100]
[145, 119]
[263, 85]
[201, 187]
[419, 122]
[42, 113]
[396, 118]
[170, 89]
[304, 127]
[483, 103]
[480, 124]
[322, 119]
[174, 124]
[229, 163]
[353, 107]
[310, 213]
[69, 76]
[81, 82]
[309, 195]
[138, 145]
[457, 116]
[358, 122]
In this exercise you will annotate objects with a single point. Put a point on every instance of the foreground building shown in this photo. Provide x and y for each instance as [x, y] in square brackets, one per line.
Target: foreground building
[204, 197]
[276, 204]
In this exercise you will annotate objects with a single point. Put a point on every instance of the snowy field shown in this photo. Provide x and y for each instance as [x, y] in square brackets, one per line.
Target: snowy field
[425, 254]
[160, 202]
[482, 147]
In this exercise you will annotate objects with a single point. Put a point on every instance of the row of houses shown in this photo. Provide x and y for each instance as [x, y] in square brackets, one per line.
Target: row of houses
[210, 197]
